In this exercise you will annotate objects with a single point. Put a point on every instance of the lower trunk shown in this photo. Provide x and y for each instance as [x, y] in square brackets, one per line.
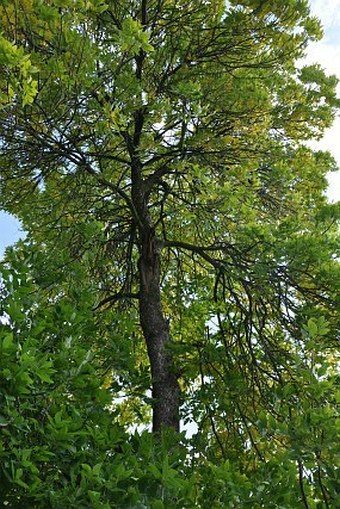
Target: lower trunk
[165, 387]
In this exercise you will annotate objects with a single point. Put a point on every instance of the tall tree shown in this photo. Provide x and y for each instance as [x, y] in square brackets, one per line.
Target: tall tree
[161, 143]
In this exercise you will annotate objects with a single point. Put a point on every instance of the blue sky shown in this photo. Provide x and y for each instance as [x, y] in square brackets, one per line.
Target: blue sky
[10, 231]
[326, 52]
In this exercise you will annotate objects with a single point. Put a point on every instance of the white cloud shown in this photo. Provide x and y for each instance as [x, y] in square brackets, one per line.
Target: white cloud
[328, 11]
[327, 53]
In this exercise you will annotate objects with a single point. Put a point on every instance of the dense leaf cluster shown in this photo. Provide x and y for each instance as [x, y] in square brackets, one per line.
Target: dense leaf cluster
[61, 445]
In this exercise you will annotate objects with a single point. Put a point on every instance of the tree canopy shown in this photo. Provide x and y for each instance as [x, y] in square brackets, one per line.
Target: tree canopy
[181, 263]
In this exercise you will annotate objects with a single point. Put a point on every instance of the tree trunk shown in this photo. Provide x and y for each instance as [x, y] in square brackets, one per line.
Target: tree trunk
[165, 387]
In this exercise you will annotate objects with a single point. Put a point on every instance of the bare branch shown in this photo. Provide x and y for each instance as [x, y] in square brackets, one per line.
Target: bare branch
[114, 298]
[200, 250]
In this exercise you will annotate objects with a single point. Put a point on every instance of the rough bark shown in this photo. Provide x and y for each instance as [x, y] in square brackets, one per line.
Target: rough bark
[165, 387]
[155, 327]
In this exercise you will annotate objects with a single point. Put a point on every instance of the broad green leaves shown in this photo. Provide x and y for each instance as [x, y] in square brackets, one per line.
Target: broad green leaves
[21, 72]
[60, 445]
[132, 37]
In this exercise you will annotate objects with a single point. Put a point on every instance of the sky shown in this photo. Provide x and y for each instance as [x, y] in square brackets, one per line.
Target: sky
[326, 52]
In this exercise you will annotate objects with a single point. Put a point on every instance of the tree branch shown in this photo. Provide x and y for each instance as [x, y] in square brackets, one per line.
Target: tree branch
[155, 177]
[201, 251]
[114, 188]
[114, 298]
[302, 489]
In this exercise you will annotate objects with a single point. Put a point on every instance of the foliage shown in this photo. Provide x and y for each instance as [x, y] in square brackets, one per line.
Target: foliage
[61, 445]
[155, 153]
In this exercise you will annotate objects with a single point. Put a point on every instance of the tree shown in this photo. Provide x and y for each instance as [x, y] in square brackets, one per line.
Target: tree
[160, 144]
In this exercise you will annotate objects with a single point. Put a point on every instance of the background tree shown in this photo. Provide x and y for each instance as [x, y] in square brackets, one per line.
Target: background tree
[60, 444]
[160, 145]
